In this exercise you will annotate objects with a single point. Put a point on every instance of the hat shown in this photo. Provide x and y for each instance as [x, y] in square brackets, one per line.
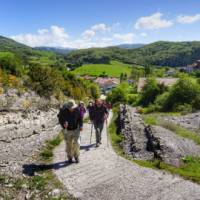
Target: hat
[81, 102]
[71, 104]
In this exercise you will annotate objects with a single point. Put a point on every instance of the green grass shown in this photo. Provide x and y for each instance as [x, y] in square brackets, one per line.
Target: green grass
[47, 151]
[153, 119]
[190, 168]
[114, 69]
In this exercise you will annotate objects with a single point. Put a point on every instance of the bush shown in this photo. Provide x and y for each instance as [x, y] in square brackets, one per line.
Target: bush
[133, 99]
[149, 92]
[45, 80]
[183, 108]
[118, 95]
[162, 101]
[10, 63]
[184, 92]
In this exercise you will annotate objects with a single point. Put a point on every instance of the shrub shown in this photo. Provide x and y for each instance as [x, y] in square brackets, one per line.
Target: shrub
[149, 92]
[118, 95]
[184, 92]
[133, 99]
[183, 108]
[162, 101]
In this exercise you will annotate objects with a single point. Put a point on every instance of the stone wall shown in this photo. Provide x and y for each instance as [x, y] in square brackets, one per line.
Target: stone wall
[149, 142]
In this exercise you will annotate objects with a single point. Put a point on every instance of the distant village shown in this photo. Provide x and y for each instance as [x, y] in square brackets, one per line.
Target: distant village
[106, 84]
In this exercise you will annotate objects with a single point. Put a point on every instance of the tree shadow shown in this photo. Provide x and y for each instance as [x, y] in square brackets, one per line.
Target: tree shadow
[30, 169]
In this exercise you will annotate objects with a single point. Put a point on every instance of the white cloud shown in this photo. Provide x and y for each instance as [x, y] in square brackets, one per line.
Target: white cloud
[143, 34]
[88, 34]
[55, 36]
[153, 22]
[127, 38]
[186, 19]
[100, 27]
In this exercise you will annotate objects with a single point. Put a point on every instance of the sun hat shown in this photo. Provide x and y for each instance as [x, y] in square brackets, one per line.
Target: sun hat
[71, 104]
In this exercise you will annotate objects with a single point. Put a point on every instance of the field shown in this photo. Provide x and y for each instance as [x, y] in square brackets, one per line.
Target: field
[113, 69]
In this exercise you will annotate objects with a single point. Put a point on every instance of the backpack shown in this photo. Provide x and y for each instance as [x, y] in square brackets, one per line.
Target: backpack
[60, 114]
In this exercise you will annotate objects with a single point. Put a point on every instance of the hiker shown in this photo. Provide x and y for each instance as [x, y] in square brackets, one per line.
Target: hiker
[72, 123]
[89, 108]
[98, 116]
[82, 109]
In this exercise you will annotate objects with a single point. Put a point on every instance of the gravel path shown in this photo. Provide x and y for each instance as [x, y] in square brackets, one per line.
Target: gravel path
[103, 175]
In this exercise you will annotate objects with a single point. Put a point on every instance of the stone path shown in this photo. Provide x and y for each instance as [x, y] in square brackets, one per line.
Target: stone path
[103, 175]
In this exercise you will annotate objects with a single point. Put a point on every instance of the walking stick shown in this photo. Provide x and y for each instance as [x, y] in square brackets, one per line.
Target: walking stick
[91, 133]
[107, 132]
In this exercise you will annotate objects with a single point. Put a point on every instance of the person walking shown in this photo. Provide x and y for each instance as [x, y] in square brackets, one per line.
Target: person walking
[82, 109]
[90, 108]
[99, 115]
[72, 123]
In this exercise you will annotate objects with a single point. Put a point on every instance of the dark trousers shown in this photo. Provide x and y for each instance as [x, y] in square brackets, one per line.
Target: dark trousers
[98, 129]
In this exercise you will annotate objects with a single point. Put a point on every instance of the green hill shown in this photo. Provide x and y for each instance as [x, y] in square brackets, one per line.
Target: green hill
[28, 55]
[114, 69]
[161, 53]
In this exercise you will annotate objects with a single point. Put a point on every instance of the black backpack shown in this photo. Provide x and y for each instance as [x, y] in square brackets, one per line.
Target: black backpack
[60, 114]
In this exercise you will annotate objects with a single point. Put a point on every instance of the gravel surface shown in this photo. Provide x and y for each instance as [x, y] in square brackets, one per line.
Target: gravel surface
[103, 175]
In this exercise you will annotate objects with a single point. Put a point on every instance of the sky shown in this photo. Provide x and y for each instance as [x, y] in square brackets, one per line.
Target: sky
[99, 23]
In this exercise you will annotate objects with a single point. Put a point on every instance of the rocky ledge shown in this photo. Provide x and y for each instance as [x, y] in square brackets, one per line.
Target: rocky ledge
[26, 122]
[149, 142]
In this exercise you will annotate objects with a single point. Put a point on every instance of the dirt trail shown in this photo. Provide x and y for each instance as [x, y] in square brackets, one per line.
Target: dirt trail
[103, 175]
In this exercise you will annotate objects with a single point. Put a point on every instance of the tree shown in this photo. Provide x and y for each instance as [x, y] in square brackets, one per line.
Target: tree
[10, 63]
[185, 91]
[149, 92]
[116, 96]
[45, 80]
[95, 92]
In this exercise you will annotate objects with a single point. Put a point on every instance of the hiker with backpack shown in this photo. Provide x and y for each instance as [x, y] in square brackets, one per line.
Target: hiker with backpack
[72, 123]
[99, 115]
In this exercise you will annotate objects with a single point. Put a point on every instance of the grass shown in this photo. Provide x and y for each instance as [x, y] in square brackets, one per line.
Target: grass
[47, 151]
[43, 182]
[153, 119]
[190, 168]
[114, 69]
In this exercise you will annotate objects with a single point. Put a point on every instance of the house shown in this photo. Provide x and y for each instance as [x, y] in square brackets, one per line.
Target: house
[107, 84]
[190, 68]
[164, 81]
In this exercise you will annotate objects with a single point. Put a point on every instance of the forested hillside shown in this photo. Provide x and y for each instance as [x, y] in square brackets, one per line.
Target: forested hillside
[161, 53]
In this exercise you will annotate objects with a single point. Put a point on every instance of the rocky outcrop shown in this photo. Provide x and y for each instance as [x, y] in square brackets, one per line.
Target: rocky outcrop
[13, 100]
[26, 122]
[22, 136]
[189, 121]
[169, 147]
[148, 142]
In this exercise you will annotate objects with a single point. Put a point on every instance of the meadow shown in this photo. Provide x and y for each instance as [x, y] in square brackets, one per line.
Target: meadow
[114, 69]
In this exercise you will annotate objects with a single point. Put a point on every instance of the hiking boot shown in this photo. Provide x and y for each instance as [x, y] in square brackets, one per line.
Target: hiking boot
[97, 144]
[77, 159]
[70, 160]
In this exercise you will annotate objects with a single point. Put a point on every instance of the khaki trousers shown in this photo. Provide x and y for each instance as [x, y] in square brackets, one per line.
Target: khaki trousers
[72, 144]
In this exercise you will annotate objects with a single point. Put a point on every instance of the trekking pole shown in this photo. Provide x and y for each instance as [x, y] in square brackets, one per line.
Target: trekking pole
[107, 132]
[91, 133]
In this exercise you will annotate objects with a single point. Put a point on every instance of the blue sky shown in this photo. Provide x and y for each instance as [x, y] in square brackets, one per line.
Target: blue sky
[89, 23]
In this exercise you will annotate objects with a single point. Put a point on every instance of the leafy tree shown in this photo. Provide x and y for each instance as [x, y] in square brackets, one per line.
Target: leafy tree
[95, 92]
[149, 92]
[45, 80]
[185, 91]
[10, 63]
